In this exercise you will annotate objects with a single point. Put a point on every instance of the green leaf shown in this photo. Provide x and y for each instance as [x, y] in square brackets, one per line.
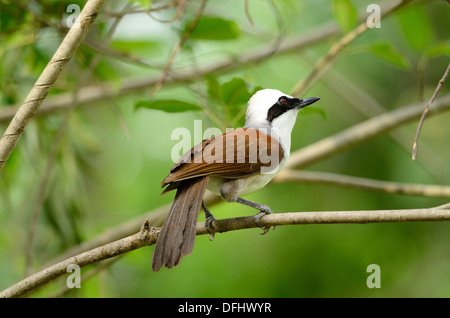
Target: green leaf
[389, 54]
[145, 4]
[135, 47]
[345, 14]
[167, 105]
[214, 88]
[235, 92]
[257, 88]
[439, 49]
[314, 110]
[212, 28]
[105, 71]
[416, 27]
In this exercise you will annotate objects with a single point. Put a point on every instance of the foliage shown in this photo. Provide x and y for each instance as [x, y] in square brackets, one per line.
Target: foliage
[74, 179]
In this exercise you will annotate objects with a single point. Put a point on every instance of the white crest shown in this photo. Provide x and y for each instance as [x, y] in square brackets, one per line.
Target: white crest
[260, 103]
[256, 117]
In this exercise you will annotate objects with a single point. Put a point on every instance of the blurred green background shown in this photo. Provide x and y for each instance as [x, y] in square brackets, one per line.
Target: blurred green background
[77, 174]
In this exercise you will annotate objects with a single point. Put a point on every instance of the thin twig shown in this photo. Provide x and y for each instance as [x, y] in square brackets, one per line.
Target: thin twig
[325, 62]
[425, 112]
[178, 47]
[41, 189]
[425, 190]
[300, 158]
[95, 93]
[47, 79]
[148, 236]
[178, 14]
[361, 132]
[368, 106]
[156, 218]
[84, 277]
[140, 10]
[247, 13]
[125, 57]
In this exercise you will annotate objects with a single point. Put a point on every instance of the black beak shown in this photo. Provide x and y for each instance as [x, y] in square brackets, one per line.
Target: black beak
[307, 101]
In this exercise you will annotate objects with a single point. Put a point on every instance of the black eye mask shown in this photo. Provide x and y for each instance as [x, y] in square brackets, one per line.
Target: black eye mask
[281, 106]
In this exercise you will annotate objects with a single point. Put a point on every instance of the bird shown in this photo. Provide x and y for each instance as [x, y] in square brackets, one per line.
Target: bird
[237, 162]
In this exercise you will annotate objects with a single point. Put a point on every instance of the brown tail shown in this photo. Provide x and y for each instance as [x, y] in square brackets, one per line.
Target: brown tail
[177, 236]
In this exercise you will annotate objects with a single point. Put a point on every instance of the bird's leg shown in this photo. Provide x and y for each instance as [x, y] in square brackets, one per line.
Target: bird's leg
[209, 218]
[264, 209]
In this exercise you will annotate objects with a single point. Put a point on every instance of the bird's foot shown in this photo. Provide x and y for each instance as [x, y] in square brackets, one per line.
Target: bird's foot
[264, 211]
[209, 227]
[209, 218]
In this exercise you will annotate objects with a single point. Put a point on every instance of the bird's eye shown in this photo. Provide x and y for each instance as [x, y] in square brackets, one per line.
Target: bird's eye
[283, 101]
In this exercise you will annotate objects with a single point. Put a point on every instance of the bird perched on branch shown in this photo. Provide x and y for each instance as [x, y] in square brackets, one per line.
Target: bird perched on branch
[235, 163]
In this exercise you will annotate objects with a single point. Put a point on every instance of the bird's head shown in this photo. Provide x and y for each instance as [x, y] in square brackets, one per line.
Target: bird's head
[272, 108]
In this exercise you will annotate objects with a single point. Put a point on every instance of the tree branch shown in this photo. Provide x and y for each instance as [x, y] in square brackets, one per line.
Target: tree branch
[425, 190]
[180, 44]
[425, 112]
[156, 218]
[55, 145]
[368, 106]
[302, 157]
[95, 93]
[148, 236]
[140, 10]
[361, 132]
[47, 79]
[325, 62]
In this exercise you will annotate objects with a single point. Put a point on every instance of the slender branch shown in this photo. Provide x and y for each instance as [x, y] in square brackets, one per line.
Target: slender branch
[148, 236]
[247, 13]
[125, 57]
[180, 7]
[136, 11]
[426, 190]
[47, 79]
[325, 62]
[363, 131]
[96, 93]
[102, 266]
[425, 112]
[92, 94]
[180, 44]
[41, 189]
[156, 218]
[368, 106]
[307, 155]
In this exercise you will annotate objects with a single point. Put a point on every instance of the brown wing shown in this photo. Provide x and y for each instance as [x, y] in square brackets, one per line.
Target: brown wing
[217, 157]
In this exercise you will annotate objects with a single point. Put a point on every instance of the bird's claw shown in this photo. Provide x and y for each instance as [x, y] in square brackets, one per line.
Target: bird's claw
[209, 227]
[264, 211]
[209, 218]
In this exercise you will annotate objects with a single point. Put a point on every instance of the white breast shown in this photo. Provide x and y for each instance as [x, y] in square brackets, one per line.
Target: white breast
[250, 184]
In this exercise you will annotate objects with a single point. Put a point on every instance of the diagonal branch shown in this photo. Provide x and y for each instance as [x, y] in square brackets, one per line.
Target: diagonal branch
[180, 44]
[148, 236]
[325, 62]
[302, 157]
[156, 218]
[47, 79]
[425, 112]
[425, 190]
[368, 106]
[363, 131]
[96, 93]
[41, 189]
